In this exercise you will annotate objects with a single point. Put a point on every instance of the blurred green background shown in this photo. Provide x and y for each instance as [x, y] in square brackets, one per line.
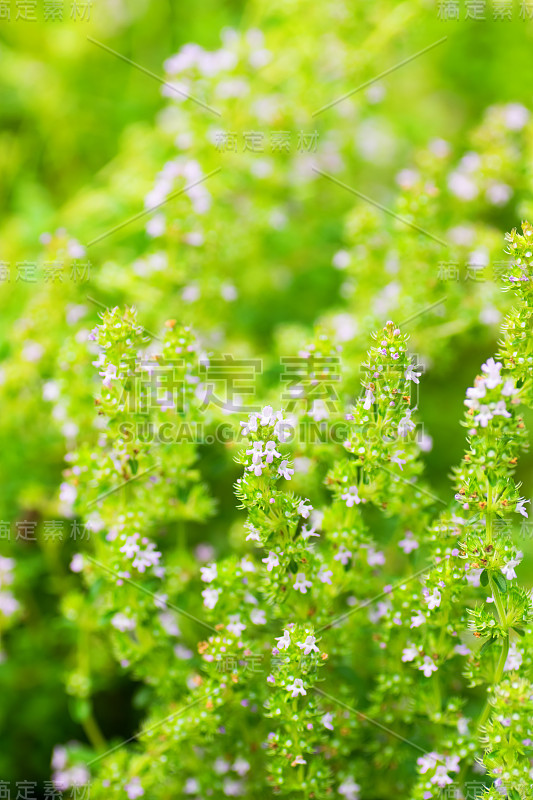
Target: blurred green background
[81, 140]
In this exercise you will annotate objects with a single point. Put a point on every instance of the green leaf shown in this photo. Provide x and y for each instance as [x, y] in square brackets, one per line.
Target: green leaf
[486, 645]
[484, 578]
[134, 465]
[500, 582]
[519, 631]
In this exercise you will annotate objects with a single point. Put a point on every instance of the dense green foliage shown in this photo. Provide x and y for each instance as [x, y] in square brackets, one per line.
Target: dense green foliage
[197, 282]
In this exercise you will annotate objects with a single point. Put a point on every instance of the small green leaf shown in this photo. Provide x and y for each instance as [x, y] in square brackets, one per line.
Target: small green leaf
[487, 645]
[134, 465]
[519, 631]
[484, 578]
[500, 582]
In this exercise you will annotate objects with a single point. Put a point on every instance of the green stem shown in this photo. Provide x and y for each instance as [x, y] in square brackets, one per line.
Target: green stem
[93, 733]
[497, 678]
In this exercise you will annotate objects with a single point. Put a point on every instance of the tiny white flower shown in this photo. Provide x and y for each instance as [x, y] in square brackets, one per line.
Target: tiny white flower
[519, 508]
[433, 599]
[304, 508]
[417, 620]
[351, 496]
[235, 625]
[509, 568]
[301, 583]
[409, 543]
[271, 561]
[344, 555]
[349, 789]
[257, 615]
[428, 666]
[409, 653]
[492, 369]
[411, 375]
[514, 658]
[283, 641]
[327, 721]
[209, 572]
[369, 400]
[210, 597]
[271, 452]
[241, 766]
[285, 471]
[296, 688]
[309, 645]
[325, 575]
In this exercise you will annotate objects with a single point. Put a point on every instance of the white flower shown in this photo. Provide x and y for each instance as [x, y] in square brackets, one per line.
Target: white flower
[301, 584]
[433, 599]
[271, 452]
[428, 666]
[509, 568]
[210, 597]
[76, 565]
[397, 459]
[298, 760]
[8, 604]
[122, 622]
[247, 566]
[520, 507]
[308, 645]
[253, 535]
[256, 451]
[209, 573]
[235, 625]
[375, 558]
[514, 658]
[429, 761]
[492, 369]
[509, 388]
[409, 543]
[296, 688]
[452, 763]
[285, 470]
[267, 416]
[325, 575]
[149, 557]
[304, 509]
[349, 789]
[351, 497]
[484, 417]
[406, 424]
[409, 653]
[109, 374]
[283, 641]
[344, 555]
[250, 426]
[130, 546]
[308, 532]
[369, 399]
[241, 766]
[327, 720]
[271, 561]
[411, 375]
[500, 409]
[441, 777]
[258, 616]
[134, 789]
[417, 620]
